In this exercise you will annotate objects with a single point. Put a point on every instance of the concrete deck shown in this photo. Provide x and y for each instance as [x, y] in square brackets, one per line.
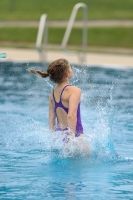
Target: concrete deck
[100, 59]
[64, 23]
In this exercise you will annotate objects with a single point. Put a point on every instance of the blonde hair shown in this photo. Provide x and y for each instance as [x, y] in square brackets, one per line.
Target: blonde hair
[56, 70]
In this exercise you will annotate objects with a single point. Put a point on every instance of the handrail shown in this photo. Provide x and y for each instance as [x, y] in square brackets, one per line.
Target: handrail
[41, 41]
[82, 56]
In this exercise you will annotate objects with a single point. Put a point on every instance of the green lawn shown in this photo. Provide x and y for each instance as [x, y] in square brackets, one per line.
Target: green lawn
[105, 37]
[59, 9]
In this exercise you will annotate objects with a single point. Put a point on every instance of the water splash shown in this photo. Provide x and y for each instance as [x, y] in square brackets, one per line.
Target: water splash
[34, 136]
[97, 115]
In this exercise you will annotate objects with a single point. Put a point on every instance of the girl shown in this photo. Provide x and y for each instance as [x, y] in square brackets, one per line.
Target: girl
[64, 100]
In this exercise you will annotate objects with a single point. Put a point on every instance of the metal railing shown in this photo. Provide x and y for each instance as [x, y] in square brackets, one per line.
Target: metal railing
[82, 54]
[42, 37]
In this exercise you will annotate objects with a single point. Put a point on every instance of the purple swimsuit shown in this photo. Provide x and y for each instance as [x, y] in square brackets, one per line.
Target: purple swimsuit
[79, 127]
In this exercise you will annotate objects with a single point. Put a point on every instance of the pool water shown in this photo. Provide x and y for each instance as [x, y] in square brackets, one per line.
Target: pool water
[33, 166]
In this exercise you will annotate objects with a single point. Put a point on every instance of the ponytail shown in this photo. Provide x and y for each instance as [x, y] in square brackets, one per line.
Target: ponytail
[56, 71]
[42, 74]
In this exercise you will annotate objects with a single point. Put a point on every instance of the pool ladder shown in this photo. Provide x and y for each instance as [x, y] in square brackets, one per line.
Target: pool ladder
[42, 36]
[81, 55]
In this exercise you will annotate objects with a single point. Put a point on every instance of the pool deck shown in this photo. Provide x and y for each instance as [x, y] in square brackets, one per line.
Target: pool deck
[98, 59]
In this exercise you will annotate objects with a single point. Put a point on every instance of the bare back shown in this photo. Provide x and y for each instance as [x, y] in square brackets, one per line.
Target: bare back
[61, 97]
[64, 105]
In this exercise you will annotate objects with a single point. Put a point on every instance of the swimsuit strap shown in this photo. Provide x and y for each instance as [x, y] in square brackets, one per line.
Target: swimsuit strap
[63, 91]
[60, 93]
[60, 104]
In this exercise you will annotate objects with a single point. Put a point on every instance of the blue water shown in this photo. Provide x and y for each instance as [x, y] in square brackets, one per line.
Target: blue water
[33, 166]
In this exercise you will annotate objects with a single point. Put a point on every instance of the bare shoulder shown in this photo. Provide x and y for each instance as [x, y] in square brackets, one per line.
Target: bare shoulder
[74, 93]
[74, 89]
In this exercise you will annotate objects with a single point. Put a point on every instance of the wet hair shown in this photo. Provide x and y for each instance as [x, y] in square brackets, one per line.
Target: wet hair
[56, 70]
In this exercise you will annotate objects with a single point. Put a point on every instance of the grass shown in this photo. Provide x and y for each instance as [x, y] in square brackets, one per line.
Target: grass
[100, 36]
[59, 9]
[120, 37]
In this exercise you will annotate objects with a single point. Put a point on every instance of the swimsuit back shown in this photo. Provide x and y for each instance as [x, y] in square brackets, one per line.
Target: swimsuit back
[79, 127]
[60, 104]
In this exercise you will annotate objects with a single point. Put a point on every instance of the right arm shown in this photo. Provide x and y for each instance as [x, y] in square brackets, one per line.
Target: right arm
[74, 100]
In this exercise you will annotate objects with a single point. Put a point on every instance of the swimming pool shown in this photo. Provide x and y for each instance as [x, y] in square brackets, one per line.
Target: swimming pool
[29, 169]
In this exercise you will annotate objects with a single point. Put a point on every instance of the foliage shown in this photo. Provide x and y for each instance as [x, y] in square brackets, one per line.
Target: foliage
[59, 9]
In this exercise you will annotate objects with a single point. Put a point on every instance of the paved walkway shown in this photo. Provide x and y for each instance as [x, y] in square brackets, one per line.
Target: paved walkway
[63, 23]
[99, 59]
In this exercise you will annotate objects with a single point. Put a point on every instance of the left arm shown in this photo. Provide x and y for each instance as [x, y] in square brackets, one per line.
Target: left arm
[52, 116]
